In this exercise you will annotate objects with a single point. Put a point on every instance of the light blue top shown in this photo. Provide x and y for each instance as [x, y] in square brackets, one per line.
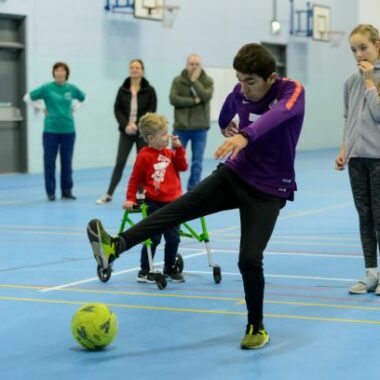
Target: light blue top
[362, 117]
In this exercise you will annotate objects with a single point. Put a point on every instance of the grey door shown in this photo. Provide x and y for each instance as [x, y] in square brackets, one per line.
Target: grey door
[12, 87]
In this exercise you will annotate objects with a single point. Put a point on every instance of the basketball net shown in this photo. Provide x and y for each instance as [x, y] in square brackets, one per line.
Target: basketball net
[170, 14]
[333, 36]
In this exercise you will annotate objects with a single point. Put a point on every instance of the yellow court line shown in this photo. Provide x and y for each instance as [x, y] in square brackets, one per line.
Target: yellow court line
[239, 300]
[17, 286]
[122, 292]
[193, 310]
[315, 304]
[156, 295]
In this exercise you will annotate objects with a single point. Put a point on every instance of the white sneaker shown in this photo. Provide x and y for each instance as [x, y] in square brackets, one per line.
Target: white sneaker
[377, 290]
[104, 199]
[368, 283]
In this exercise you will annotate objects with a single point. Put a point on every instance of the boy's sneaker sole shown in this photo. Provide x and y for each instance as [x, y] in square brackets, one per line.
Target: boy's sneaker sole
[173, 275]
[175, 279]
[145, 278]
[94, 230]
[253, 341]
[248, 347]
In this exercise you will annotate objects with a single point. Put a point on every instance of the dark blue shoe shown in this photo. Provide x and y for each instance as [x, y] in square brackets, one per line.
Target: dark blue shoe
[69, 196]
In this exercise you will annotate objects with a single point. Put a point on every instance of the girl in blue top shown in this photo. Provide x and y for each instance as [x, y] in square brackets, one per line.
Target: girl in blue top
[59, 127]
[360, 147]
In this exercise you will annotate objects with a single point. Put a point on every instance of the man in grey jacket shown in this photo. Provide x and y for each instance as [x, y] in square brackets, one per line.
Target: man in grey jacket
[190, 95]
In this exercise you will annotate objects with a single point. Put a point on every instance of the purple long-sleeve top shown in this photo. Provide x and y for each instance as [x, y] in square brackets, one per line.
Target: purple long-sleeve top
[272, 126]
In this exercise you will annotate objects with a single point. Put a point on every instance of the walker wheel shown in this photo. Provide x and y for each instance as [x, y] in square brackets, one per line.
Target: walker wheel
[217, 272]
[104, 274]
[179, 264]
[161, 281]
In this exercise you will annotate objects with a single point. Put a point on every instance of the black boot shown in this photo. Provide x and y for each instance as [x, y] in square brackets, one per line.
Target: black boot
[68, 195]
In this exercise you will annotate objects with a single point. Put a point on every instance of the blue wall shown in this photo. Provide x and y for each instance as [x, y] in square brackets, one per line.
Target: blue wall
[98, 46]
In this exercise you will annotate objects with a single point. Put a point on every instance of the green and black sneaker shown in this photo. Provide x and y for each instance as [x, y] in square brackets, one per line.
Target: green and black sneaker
[104, 246]
[254, 338]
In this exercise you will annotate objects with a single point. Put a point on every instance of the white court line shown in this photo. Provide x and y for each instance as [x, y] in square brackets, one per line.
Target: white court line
[328, 255]
[284, 253]
[303, 213]
[29, 227]
[315, 211]
[200, 253]
[203, 252]
[221, 230]
[91, 279]
[282, 276]
[5, 203]
[318, 238]
[294, 215]
[47, 233]
[298, 243]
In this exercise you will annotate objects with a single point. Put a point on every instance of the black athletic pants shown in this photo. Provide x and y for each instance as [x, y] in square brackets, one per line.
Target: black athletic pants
[172, 240]
[365, 184]
[223, 190]
[124, 149]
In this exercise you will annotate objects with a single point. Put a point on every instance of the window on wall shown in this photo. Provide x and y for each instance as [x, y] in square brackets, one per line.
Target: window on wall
[279, 52]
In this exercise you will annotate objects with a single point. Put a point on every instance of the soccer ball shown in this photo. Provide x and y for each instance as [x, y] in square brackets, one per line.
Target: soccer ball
[94, 326]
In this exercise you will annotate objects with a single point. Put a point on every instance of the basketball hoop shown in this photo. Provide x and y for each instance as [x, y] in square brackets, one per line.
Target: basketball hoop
[333, 36]
[156, 10]
[148, 9]
[170, 14]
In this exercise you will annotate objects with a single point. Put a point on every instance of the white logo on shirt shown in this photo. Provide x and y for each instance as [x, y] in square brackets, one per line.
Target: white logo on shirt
[253, 117]
[272, 104]
[158, 175]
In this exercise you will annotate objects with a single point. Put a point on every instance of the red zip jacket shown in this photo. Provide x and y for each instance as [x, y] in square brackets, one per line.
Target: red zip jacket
[157, 171]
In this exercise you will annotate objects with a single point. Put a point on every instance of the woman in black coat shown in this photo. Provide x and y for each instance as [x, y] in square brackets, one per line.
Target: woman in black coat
[134, 99]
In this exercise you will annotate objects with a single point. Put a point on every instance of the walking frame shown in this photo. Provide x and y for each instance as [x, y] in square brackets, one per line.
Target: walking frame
[185, 231]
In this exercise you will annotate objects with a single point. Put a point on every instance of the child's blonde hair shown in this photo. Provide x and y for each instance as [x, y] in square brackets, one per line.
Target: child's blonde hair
[369, 30]
[373, 35]
[151, 123]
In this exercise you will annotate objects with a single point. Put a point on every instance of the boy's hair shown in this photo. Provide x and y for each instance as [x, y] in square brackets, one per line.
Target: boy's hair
[367, 29]
[255, 59]
[57, 65]
[151, 123]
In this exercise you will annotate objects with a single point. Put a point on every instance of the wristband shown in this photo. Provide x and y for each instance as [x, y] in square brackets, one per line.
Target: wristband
[244, 134]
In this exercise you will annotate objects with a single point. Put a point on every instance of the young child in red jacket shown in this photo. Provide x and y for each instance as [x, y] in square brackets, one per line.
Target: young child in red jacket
[156, 171]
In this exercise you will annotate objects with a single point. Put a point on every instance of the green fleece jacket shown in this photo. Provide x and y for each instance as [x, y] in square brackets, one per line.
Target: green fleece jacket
[189, 115]
[58, 99]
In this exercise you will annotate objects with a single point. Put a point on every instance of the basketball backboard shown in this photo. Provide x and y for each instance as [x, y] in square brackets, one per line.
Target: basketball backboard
[149, 9]
[321, 23]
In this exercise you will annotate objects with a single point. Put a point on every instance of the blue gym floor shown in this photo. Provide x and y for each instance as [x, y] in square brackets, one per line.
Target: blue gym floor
[190, 330]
